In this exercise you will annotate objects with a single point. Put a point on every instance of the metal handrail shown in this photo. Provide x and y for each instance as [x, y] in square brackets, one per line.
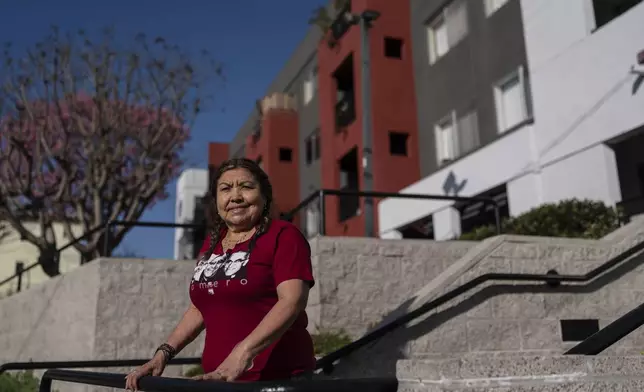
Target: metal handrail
[107, 226]
[327, 363]
[90, 364]
[320, 194]
[610, 334]
[169, 384]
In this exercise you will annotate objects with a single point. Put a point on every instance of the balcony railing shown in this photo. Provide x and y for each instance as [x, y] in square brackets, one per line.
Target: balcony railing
[354, 196]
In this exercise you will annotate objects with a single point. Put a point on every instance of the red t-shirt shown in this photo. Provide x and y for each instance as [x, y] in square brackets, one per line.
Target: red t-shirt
[234, 292]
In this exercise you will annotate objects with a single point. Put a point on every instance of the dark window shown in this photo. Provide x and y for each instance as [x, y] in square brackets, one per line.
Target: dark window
[607, 10]
[345, 111]
[349, 205]
[286, 154]
[308, 150]
[393, 47]
[312, 147]
[398, 143]
[578, 330]
[316, 146]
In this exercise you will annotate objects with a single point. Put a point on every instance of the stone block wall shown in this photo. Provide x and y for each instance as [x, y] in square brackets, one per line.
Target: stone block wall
[513, 317]
[361, 280]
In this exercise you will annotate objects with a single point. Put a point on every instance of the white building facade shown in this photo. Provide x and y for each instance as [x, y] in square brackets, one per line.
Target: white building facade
[192, 185]
[582, 137]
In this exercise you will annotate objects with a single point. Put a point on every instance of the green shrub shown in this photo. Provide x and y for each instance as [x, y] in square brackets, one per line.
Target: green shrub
[326, 342]
[19, 382]
[194, 371]
[570, 218]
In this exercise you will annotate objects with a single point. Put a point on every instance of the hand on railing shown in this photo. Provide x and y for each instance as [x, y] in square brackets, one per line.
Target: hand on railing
[154, 367]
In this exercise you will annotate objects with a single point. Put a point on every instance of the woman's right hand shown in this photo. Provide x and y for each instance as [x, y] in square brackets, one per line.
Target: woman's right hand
[153, 367]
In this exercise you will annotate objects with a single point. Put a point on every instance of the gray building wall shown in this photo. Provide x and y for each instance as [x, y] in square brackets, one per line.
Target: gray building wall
[463, 78]
[291, 80]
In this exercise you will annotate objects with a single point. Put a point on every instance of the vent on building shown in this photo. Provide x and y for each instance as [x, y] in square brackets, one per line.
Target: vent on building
[578, 330]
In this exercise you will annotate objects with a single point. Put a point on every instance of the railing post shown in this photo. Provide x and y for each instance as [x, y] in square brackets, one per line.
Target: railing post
[322, 209]
[45, 383]
[497, 217]
[20, 269]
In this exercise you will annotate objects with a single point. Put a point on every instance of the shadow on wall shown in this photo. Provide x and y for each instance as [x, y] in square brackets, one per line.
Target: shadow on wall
[379, 359]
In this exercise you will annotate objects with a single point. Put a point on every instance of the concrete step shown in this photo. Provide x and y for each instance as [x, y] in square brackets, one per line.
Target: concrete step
[499, 372]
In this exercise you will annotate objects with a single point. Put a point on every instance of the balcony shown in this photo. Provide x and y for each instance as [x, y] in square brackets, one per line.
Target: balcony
[345, 112]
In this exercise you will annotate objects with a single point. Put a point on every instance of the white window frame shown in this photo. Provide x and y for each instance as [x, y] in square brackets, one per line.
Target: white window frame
[519, 74]
[444, 157]
[491, 6]
[310, 86]
[443, 18]
[431, 37]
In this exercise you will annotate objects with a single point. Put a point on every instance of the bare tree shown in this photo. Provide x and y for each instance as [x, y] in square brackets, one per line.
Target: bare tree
[91, 132]
[4, 231]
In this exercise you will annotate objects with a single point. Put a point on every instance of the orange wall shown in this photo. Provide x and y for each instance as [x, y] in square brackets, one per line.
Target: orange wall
[393, 109]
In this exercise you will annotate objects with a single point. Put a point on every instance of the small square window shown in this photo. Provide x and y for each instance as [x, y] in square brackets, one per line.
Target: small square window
[398, 143]
[286, 154]
[393, 47]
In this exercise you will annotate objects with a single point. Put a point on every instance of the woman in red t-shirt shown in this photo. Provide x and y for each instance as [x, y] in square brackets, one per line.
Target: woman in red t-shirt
[249, 288]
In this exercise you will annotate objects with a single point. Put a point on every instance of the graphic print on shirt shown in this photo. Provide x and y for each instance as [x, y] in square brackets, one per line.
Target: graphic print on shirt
[224, 267]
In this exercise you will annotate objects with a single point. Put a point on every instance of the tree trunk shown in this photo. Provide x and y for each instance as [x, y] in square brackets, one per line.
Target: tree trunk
[49, 260]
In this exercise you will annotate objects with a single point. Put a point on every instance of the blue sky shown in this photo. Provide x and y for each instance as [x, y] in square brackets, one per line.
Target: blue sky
[252, 38]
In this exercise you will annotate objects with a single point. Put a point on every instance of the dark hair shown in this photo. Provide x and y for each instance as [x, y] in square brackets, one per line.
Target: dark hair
[215, 223]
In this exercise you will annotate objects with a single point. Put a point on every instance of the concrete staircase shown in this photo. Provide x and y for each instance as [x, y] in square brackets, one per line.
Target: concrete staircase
[522, 373]
[506, 336]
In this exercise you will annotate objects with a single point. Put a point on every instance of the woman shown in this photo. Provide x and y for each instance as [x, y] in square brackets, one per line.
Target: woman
[249, 288]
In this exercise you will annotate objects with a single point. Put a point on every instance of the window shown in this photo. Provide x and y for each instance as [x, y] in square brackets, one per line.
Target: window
[492, 5]
[310, 86]
[446, 139]
[456, 136]
[345, 111]
[312, 147]
[286, 154]
[393, 47]
[447, 29]
[510, 98]
[398, 143]
[607, 10]
[468, 132]
[349, 205]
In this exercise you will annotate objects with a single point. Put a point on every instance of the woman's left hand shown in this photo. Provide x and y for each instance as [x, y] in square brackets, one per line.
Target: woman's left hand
[237, 362]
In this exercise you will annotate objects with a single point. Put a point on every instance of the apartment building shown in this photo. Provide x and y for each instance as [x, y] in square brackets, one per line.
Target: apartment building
[489, 98]
[553, 84]
[308, 136]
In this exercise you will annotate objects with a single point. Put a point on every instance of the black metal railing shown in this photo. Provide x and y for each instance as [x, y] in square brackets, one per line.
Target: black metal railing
[552, 278]
[106, 249]
[319, 198]
[168, 384]
[591, 346]
[610, 334]
[112, 363]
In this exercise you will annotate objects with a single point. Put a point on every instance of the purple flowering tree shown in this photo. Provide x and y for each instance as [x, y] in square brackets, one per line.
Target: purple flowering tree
[91, 132]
